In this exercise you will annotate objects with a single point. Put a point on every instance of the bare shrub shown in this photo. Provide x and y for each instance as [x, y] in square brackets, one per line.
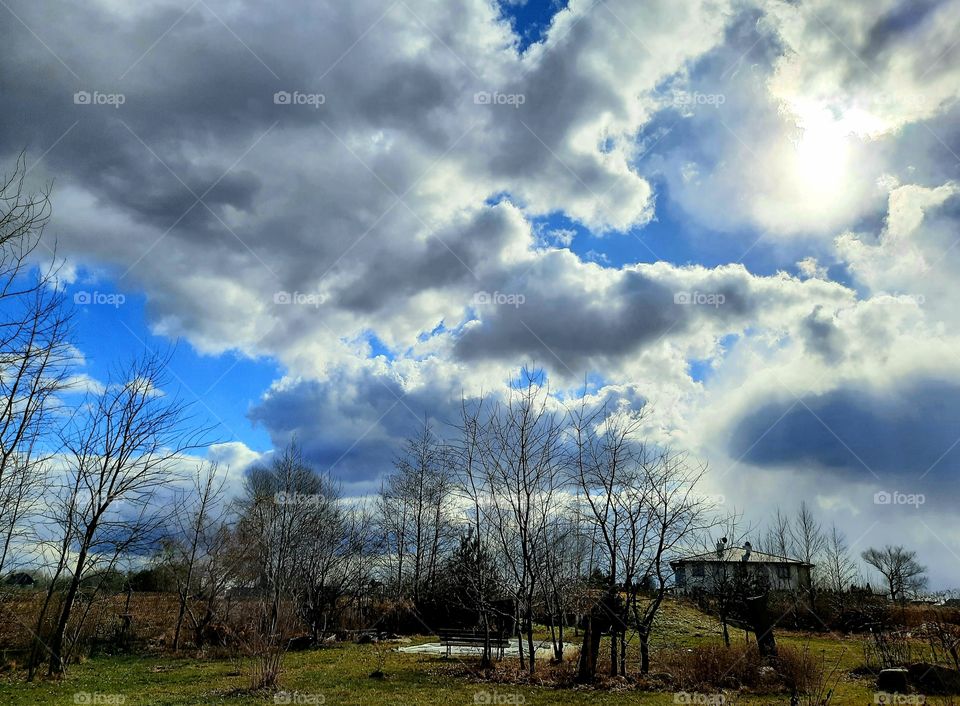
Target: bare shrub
[943, 636]
[260, 643]
[808, 677]
[886, 649]
[709, 666]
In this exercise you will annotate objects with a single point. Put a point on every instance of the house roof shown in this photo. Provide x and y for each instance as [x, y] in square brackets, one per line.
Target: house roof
[737, 554]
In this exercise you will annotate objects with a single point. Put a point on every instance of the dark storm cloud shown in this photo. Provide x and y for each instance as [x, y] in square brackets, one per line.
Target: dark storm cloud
[354, 426]
[907, 434]
[821, 336]
[569, 322]
[900, 20]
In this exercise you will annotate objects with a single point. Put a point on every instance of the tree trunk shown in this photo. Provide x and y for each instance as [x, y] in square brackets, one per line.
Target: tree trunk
[558, 652]
[614, 658]
[587, 668]
[533, 659]
[644, 651]
[762, 626]
[56, 642]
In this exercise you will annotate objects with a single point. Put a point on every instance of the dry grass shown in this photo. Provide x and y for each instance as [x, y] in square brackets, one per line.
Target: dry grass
[713, 666]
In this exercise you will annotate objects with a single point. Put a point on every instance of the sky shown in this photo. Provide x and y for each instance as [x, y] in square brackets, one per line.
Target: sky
[344, 216]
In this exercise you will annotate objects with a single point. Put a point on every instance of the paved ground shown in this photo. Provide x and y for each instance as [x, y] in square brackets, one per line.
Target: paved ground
[544, 649]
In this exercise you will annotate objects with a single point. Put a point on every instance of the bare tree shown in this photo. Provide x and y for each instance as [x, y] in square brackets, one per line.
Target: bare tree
[34, 358]
[277, 515]
[839, 568]
[415, 513]
[200, 514]
[808, 537]
[809, 541]
[322, 568]
[643, 504]
[479, 572]
[678, 512]
[904, 575]
[220, 558]
[564, 562]
[122, 448]
[779, 538]
[607, 469]
[521, 458]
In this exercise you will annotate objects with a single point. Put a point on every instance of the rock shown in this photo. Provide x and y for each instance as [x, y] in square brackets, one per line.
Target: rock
[933, 679]
[768, 673]
[301, 642]
[365, 639]
[892, 681]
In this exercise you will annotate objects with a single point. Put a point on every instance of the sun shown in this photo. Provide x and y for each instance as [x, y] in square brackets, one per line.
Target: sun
[820, 159]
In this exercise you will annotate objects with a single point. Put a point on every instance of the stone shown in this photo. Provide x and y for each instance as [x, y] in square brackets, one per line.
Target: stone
[892, 681]
[934, 679]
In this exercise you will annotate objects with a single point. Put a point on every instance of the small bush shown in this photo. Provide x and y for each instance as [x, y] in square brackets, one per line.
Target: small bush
[713, 666]
[801, 670]
[807, 676]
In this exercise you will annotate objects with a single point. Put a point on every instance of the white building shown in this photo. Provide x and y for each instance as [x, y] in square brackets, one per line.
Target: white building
[705, 571]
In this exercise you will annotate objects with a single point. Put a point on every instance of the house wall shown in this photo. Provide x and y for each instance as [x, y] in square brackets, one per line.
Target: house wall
[782, 577]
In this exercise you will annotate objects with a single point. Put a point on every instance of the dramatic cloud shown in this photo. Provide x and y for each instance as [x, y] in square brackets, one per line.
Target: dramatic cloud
[403, 203]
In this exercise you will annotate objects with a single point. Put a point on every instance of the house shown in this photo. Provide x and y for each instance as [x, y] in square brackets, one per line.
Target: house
[707, 571]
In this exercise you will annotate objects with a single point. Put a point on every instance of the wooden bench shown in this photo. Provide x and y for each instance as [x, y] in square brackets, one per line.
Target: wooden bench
[454, 637]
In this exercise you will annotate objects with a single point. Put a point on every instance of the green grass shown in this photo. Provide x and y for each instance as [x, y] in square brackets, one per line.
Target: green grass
[340, 676]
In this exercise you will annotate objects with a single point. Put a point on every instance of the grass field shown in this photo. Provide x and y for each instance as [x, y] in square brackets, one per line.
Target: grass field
[340, 675]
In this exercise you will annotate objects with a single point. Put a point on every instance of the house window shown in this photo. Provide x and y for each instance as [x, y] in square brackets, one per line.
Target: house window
[783, 571]
[697, 571]
[681, 576]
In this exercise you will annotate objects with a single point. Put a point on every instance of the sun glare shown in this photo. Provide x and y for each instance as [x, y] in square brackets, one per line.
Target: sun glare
[821, 153]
